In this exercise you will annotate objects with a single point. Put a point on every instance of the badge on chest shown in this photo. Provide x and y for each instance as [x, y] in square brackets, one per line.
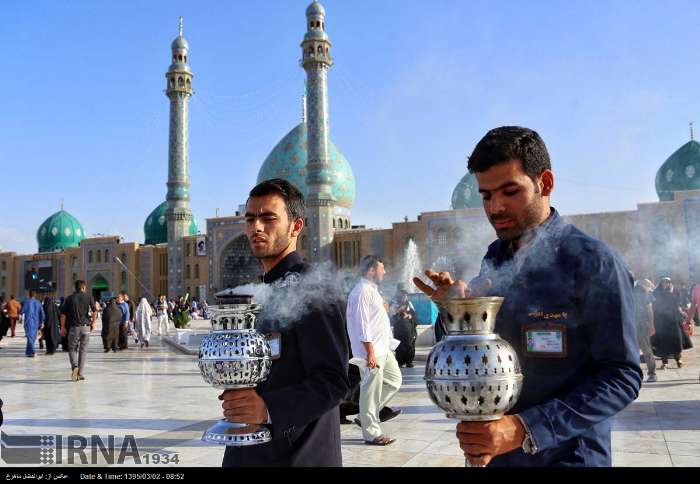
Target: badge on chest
[544, 340]
[274, 340]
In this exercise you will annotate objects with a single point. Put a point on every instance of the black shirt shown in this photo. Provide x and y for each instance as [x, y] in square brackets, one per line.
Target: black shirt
[77, 309]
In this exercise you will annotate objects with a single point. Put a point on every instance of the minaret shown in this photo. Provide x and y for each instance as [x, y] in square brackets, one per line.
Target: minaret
[316, 60]
[178, 215]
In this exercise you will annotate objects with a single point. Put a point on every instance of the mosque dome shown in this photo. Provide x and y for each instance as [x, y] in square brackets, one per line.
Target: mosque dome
[60, 231]
[681, 171]
[288, 160]
[155, 228]
[315, 9]
[466, 193]
[180, 43]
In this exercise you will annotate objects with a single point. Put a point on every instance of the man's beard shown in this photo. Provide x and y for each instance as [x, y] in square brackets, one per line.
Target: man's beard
[529, 220]
[272, 251]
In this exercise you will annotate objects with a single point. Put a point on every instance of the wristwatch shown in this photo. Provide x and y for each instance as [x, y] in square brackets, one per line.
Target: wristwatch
[528, 445]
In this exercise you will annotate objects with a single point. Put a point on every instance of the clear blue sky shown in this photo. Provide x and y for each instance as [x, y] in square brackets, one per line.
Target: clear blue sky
[610, 85]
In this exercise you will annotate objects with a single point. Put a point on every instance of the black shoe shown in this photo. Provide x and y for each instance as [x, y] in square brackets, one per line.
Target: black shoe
[387, 414]
[146, 344]
[357, 421]
[81, 377]
[409, 365]
[106, 350]
[344, 420]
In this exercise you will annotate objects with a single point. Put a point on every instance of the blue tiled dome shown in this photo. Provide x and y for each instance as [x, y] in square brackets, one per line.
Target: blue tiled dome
[156, 227]
[680, 172]
[466, 193]
[60, 231]
[288, 161]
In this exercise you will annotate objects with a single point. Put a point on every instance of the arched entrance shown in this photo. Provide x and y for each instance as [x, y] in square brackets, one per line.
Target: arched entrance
[238, 266]
[98, 285]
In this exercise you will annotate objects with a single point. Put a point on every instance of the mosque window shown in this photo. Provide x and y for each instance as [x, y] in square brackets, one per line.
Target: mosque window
[185, 59]
[179, 58]
[123, 258]
[180, 82]
[123, 278]
[187, 271]
[4, 281]
[172, 82]
[320, 49]
[106, 255]
[189, 83]
[333, 223]
[196, 271]
[441, 238]
[89, 257]
[99, 256]
[75, 277]
[188, 249]
[4, 265]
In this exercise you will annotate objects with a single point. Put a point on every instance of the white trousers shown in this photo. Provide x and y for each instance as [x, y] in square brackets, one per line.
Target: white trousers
[163, 324]
[377, 387]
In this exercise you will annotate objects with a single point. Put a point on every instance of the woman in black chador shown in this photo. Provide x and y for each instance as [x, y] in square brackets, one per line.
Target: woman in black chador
[51, 331]
[404, 324]
[668, 340]
[111, 316]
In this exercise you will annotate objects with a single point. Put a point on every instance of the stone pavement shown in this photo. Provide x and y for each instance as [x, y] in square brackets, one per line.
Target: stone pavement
[158, 396]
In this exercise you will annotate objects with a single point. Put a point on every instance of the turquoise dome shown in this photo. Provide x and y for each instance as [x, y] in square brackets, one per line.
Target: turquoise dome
[60, 231]
[315, 9]
[466, 193]
[288, 160]
[155, 228]
[680, 172]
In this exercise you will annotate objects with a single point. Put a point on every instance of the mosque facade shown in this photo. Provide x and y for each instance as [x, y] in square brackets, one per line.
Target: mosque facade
[655, 239]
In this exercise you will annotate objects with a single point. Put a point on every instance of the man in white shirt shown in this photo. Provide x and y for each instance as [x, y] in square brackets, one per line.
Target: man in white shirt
[370, 339]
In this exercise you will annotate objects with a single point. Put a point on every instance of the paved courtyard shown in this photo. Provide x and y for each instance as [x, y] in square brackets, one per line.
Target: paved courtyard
[157, 395]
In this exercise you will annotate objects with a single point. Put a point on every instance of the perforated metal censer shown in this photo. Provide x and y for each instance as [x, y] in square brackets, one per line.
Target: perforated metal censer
[234, 356]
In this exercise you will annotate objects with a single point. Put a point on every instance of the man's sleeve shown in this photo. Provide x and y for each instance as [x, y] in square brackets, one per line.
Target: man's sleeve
[616, 377]
[323, 350]
[64, 307]
[359, 315]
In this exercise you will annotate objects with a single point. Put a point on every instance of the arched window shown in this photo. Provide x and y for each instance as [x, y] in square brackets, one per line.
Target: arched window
[320, 49]
[172, 82]
[180, 57]
[189, 83]
[196, 271]
[107, 255]
[123, 258]
[185, 59]
[180, 82]
[99, 256]
[187, 271]
[188, 249]
[89, 257]
[333, 223]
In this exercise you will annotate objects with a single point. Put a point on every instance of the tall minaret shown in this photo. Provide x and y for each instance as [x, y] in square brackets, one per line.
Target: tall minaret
[316, 60]
[178, 215]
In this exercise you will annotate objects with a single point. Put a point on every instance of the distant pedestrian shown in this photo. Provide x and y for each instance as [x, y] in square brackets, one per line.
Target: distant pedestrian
[668, 340]
[143, 322]
[644, 315]
[13, 309]
[78, 316]
[33, 315]
[51, 329]
[162, 311]
[111, 318]
[403, 323]
[124, 322]
[132, 315]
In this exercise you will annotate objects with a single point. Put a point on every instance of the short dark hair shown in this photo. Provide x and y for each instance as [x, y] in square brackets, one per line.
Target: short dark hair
[369, 262]
[293, 198]
[123, 293]
[79, 285]
[506, 143]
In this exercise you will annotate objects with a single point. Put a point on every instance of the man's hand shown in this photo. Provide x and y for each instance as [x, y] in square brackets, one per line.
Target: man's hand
[372, 361]
[244, 406]
[482, 441]
[445, 286]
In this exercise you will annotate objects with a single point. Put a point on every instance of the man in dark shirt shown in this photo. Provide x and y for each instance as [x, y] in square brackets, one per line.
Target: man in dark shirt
[300, 397]
[568, 312]
[78, 316]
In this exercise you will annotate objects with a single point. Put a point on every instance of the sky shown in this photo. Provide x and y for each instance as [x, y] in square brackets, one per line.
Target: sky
[611, 86]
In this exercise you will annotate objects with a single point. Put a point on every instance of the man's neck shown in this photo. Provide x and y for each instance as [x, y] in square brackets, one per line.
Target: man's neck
[269, 263]
[529, 235]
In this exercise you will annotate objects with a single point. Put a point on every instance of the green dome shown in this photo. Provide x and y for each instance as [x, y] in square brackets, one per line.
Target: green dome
[680, 172]
[60, 231]
[288, 161]
[155, 228]
[466, 193]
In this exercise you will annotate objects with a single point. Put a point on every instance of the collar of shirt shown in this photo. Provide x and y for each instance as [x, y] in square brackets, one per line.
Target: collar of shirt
[285, 265]
[372, 284]
[532, 237]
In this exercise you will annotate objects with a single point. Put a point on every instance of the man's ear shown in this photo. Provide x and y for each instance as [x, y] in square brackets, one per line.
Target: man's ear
[547, 182]
[297, 226]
